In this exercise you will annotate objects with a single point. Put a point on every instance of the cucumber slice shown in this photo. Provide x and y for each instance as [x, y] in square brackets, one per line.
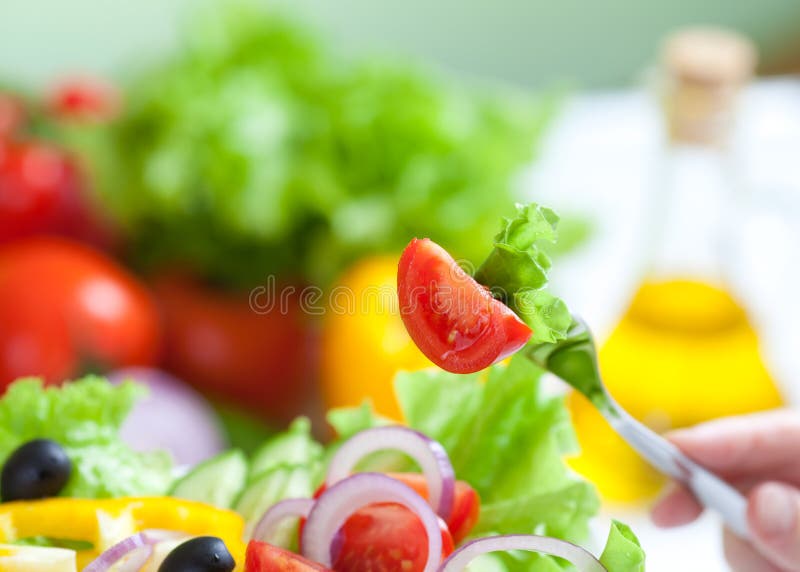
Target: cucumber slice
[276, 484]
[217, 481]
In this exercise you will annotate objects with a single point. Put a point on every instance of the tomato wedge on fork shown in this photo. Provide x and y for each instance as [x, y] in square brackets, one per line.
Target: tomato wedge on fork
[453, 319]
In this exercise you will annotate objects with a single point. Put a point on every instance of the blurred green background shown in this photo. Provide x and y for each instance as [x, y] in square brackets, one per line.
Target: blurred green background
[531, 42]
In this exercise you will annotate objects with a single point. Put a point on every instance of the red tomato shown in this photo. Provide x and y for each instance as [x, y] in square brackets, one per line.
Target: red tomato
[223, 346]
[454, 320]
[65, 306]
[86, 98]
[386, 538]
[466, 504]
[41, 191]
[263, 557]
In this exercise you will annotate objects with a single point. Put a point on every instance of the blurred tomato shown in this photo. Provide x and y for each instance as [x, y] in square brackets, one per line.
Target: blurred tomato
[85, 99]
[65, 307]
[258, 358]
[12, 114]
[364, 342]
[41, 191]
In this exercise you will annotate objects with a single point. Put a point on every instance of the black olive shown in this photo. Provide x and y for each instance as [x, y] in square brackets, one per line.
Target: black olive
[36, 470]
[201, 554]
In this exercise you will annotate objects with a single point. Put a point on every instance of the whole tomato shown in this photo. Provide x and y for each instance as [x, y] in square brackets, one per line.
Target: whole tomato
[41, 191]
[256, 357]
[66, 309]
[85, 98]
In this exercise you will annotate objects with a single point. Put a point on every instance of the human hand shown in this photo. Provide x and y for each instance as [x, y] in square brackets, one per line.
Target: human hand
[760, 455]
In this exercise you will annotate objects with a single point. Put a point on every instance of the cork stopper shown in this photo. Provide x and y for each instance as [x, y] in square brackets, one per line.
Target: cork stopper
[704, 71]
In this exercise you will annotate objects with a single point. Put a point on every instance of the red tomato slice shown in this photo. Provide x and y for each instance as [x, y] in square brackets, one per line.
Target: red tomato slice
[263, 557]
[466, 503]
[385, 538]
[454, 320]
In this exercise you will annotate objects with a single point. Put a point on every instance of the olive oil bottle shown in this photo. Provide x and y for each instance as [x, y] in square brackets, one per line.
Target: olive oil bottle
[685, 350]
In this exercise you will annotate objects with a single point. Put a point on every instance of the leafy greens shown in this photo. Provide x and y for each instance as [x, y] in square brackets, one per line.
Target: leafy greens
[507, 439]
[516, 272]
[84, 417]
[255, 150]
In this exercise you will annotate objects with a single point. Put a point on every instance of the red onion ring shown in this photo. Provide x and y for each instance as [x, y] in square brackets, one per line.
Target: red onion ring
[429, 455]
[339, 502]
[578, 556]
[142, 542]
[265, 528]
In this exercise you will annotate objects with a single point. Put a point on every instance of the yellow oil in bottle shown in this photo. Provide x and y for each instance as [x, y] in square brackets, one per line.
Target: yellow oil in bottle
[685, 350]
[683, 353]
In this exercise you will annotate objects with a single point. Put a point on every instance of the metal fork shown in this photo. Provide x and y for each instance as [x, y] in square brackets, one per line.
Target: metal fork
[574, 360]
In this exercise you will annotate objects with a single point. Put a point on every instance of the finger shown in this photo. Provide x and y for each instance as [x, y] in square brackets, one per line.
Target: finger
[773, 513]
[677, 507]
[766, 444]
[743, 557]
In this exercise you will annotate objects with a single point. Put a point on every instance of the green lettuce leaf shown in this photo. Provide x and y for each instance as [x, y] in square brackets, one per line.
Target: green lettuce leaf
[516, 272]
[622, 553]
[507, 439]
[84, 417]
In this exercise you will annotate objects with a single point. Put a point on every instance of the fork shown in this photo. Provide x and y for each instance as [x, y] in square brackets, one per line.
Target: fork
[574, 360]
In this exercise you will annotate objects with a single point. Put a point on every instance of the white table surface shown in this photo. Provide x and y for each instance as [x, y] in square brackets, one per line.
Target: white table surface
[598, 160]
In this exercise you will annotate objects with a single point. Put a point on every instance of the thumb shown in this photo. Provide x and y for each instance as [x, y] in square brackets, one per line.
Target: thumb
[773, 513]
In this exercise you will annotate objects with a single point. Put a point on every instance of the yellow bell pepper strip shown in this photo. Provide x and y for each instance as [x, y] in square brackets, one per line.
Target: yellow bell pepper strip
[104, 522]
[36, 559]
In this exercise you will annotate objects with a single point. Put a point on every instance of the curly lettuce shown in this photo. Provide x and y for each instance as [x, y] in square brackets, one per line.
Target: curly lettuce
[84, 417]
[516, 272]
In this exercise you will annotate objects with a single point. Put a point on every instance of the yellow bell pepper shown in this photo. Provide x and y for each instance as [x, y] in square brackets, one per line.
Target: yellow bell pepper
[36, 559]
[103, 522]
[364, 342]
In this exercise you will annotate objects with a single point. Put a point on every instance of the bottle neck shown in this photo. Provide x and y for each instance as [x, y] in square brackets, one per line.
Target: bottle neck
[690, 210]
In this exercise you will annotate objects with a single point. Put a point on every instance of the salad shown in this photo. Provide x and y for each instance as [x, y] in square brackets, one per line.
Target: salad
[475, 478]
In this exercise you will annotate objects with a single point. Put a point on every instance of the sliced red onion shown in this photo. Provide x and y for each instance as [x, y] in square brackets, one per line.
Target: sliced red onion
[277, 513]
[429, 455]
[173, 417]
[339, 502]
[578, 556]
[139, 547]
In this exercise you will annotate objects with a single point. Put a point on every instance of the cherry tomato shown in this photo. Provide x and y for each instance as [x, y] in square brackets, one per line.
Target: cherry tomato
[41, 191]
[454, 320]
[466, 503]
[386, 537]
[85, 99]
[65, 307]
[263, 557]
[257, 358]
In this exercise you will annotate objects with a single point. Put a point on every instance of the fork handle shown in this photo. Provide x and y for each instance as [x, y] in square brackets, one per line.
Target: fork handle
[708, 488]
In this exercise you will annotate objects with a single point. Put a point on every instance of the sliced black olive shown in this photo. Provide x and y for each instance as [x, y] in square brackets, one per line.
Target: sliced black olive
[36, 470]
[201, 554]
